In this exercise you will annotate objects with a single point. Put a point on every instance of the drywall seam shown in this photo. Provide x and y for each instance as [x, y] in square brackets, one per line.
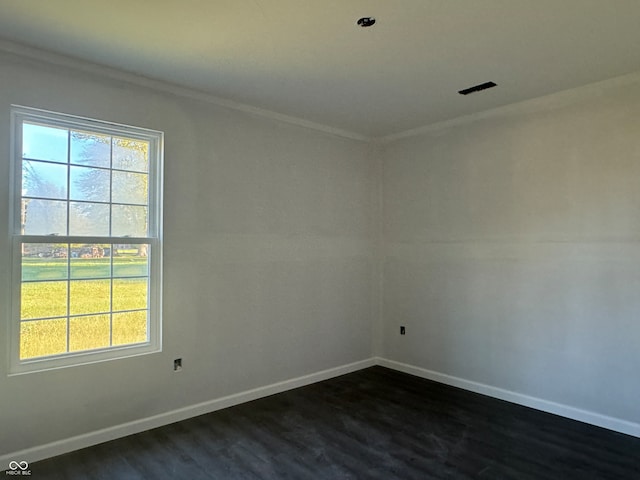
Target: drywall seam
[60, 447]
[166, 87]
[599, 420]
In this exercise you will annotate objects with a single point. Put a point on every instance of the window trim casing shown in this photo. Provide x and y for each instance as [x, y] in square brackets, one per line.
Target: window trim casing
[154, 238]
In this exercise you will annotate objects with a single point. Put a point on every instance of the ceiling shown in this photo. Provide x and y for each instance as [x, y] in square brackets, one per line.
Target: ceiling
[309, 59]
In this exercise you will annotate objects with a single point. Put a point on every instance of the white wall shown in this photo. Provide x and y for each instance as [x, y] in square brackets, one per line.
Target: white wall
[507, 245]
[268, 260]
[512, 249]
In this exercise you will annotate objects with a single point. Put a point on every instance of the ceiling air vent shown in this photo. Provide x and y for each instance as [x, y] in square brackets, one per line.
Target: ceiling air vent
[477, 88]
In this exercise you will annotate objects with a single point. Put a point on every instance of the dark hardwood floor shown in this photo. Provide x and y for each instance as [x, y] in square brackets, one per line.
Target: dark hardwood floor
[372, 424]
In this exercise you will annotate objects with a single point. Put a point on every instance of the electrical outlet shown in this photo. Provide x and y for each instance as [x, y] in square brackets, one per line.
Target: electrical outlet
[177, 365]
[402, 330]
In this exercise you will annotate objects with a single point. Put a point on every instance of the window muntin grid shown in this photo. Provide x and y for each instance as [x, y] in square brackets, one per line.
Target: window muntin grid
[86, 232]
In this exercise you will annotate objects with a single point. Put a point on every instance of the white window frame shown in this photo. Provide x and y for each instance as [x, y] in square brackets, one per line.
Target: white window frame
[19, 114]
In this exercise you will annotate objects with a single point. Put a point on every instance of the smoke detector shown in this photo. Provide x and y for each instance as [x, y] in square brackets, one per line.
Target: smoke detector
[366, 21]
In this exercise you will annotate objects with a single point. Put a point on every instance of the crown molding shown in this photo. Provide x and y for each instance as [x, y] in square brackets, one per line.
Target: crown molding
[65, 61]
[532, 105]
[553, 100]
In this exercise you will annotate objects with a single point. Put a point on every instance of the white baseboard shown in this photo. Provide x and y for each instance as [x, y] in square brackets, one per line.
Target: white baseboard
[60, 447]
[567, 411]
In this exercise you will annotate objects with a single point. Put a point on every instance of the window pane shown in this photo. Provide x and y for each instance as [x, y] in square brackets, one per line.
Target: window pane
[129, 327]
[134, 264]
[91, 184]
[130, 187]
[90, 219]
[48, 180]
[128, 220]
[44, 217]
[89, 332]
[130, 154]
[43, 299]
[90, 261]
[44, 143]
[89, 296]
[44, 261]
[43, 337]
[90, 149]
[129, 293]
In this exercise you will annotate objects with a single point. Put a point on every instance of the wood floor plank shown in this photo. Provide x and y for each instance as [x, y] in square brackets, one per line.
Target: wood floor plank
[373, 424]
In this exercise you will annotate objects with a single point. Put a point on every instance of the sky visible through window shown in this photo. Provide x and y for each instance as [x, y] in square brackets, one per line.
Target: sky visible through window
[51, 144]
[81, 182]
[46, 143]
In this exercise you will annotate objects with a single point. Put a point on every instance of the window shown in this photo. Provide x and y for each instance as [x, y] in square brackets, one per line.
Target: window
[86, 240]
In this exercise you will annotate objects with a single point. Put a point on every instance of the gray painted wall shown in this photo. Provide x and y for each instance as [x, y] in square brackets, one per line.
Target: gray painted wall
[268, 259]
[512, 249]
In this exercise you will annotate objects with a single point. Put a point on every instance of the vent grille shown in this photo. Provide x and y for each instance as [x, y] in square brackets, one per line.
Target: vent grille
[477, 88]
